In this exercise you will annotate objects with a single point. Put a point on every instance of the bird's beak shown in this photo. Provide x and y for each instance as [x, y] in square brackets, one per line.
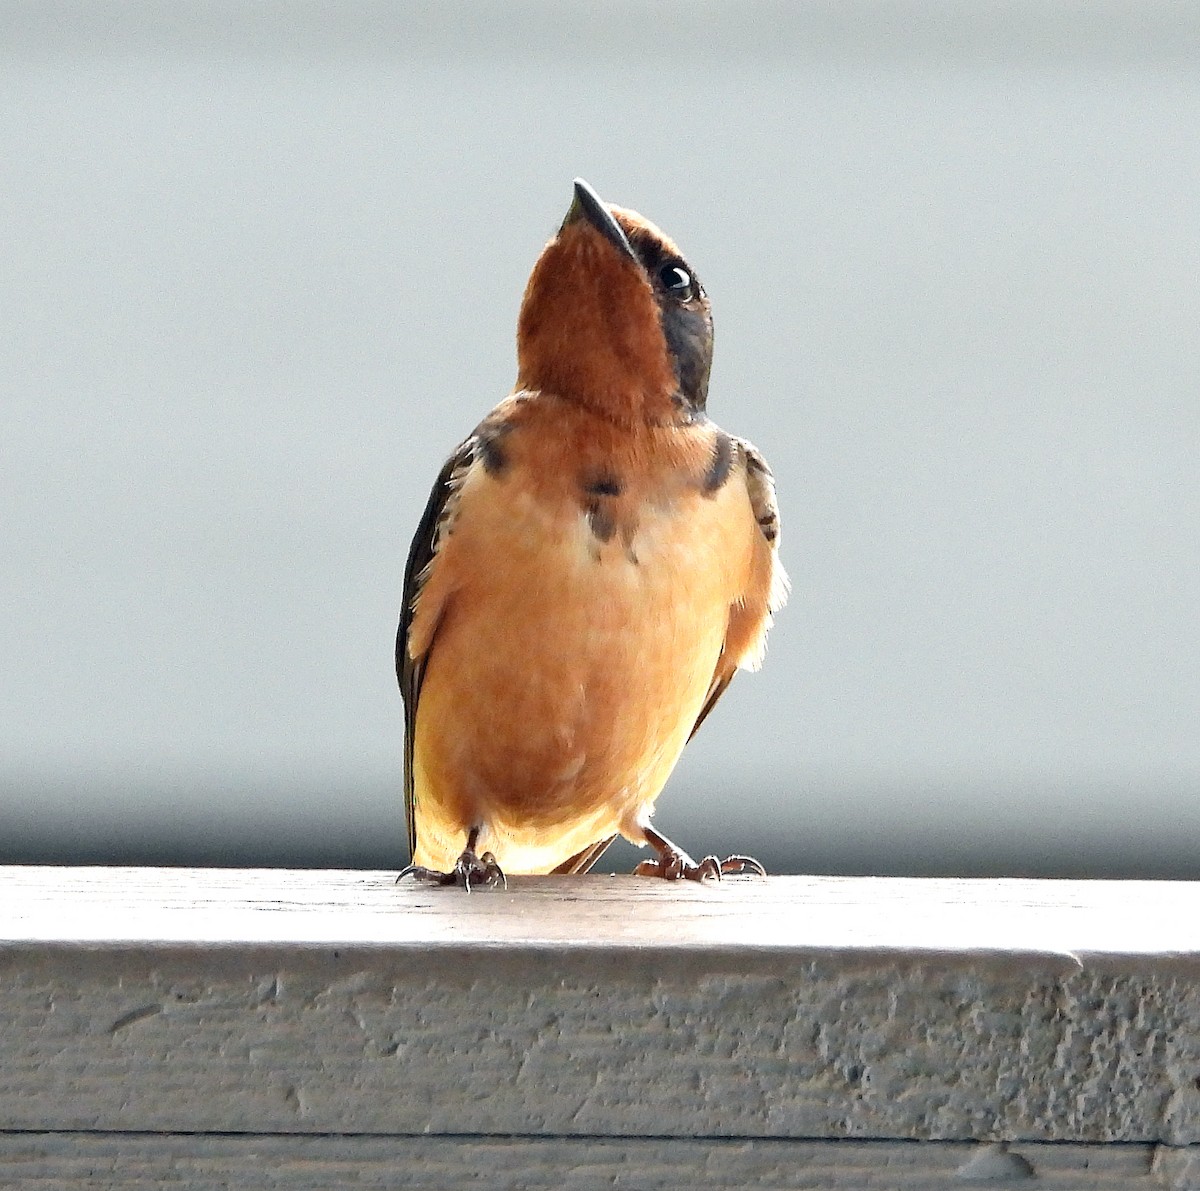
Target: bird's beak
[587, 205]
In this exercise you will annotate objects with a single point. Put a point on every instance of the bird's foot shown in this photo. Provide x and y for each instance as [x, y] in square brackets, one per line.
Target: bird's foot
[674, 864]
[469, 872]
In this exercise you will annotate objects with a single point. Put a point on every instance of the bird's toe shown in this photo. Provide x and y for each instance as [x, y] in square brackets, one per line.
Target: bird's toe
[469, 872]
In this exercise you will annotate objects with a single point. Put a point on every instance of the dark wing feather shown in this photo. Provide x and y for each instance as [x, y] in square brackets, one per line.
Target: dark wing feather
[409, 673]
[582, 862]
[761, 485]
[720, 681]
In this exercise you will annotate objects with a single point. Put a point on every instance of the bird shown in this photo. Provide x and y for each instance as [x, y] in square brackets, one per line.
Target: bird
[595, 562]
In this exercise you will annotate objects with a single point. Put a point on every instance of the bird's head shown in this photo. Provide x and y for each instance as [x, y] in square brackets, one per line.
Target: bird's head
[615, 319]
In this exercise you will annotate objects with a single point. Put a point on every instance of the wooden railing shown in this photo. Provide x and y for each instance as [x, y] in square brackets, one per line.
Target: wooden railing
[268, 1029]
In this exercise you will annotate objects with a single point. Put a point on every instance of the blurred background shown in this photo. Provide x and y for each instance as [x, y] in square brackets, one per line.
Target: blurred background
[261, 271]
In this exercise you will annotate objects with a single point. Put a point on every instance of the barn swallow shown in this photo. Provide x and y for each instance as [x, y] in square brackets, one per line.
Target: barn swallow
[594, 564]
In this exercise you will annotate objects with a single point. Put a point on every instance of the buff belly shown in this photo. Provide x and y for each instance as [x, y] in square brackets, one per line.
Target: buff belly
[567, 675]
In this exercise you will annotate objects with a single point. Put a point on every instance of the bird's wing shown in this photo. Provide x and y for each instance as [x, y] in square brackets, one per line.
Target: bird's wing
[721, 679]
[582, 862]
[750, 617]
[439, 512]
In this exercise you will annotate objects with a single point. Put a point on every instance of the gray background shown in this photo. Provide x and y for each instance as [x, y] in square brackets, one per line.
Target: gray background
[261, 271]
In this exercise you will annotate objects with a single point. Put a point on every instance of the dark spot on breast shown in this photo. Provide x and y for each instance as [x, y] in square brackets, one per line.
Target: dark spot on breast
[721, 465]
[491, 452]
[606, 485]
[601, 521]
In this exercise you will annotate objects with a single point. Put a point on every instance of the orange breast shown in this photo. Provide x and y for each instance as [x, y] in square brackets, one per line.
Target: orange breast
[567, 671]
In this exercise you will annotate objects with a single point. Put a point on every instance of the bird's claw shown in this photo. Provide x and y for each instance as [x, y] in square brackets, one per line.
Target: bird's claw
[737, 865]
[469, 871]
[675, 865]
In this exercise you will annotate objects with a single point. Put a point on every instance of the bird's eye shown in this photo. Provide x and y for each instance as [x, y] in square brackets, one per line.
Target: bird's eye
[677, 281]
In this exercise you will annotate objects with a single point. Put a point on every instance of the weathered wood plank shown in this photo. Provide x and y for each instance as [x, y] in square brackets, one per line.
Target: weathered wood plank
[297, 1163]
[268, 1002]
[165, 905]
